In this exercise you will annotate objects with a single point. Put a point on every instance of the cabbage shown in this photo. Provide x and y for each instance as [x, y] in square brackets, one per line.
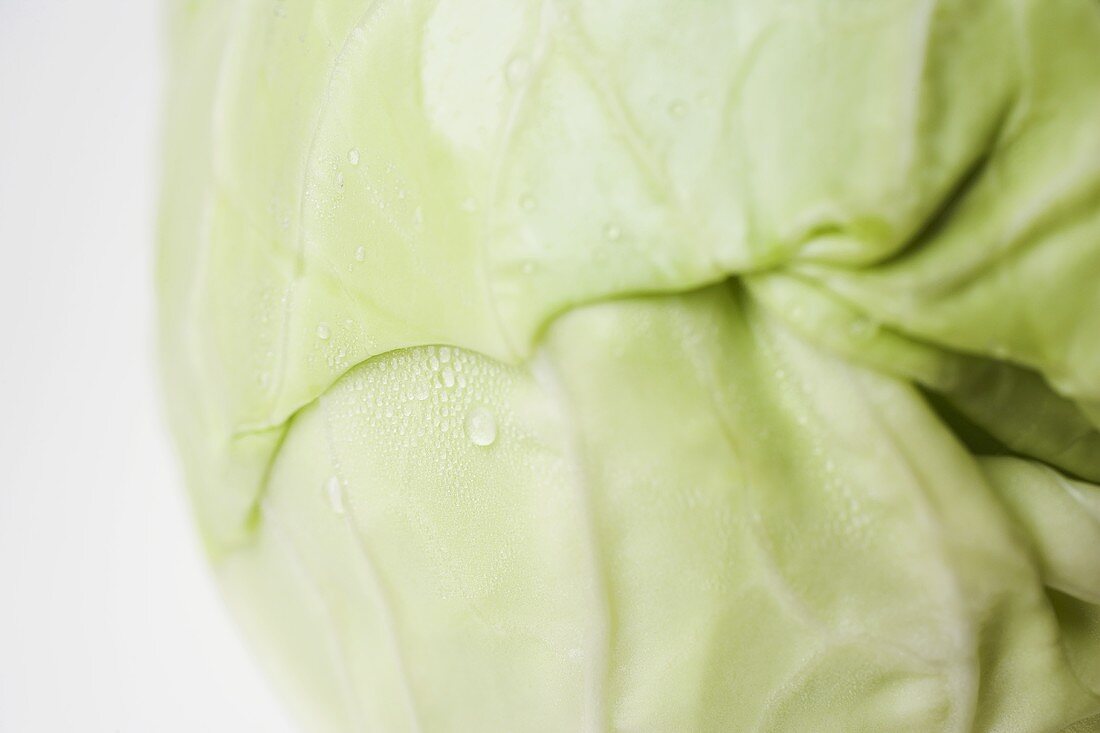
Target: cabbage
[691, 365]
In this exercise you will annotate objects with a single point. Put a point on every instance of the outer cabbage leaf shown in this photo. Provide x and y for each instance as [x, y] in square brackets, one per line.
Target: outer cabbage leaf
[722, 366]
[683, 518]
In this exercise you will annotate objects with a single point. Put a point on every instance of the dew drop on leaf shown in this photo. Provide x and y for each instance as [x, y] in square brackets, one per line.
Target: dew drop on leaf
[517, 70]
[335, 493]
[481, 426]
[861, 328]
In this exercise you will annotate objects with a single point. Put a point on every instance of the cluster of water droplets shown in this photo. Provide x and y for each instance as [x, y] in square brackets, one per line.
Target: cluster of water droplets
[374, 193]
[801, 399]
[332, 344]
[438, 396]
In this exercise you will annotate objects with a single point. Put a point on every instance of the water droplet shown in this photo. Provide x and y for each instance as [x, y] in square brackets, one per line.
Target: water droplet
[612, 232]
[444, 354]
[422, 391]
[360, 253]
[527, 202]
[448, 377]
[353, 156]
[335, 493]
[340, 180]
[517, 70]
[323, 331]
[677, 108]
[861, 328]
[481, 426]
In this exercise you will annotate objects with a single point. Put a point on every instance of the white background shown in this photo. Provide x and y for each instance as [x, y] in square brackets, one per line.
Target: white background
[108, 619]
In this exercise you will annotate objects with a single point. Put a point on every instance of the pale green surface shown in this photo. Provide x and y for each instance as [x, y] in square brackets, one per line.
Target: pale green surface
[694, 365]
